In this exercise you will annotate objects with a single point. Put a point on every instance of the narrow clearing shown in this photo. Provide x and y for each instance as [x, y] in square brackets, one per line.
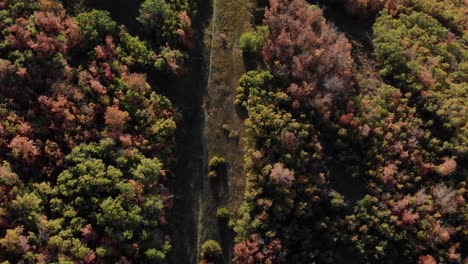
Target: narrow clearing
[210, 67]
[223, 126]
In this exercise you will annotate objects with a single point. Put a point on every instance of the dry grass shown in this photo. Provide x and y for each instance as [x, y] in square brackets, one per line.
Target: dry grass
[224, 127]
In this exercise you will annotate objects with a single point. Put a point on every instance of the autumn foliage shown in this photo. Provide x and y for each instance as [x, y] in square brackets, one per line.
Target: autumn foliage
[299, 40]
[390, 126]
[307, 81]
[83, 143]
[351, 151]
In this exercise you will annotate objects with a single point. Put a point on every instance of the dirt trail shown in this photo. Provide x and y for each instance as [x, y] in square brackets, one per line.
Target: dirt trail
[223, 126]
[200, 198]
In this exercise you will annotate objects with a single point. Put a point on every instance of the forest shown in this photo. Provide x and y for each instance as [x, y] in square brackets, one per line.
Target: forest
[191, 131]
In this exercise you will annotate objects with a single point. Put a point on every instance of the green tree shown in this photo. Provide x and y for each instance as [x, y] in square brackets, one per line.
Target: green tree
[135, 52]
[252, 42]
[160, 19]
[115, 194]
[95, 25]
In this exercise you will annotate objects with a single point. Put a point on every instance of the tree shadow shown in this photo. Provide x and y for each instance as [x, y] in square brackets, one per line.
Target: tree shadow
[241, 112]
[250, 62]
[259, 13]
[219, 184]
[226, 235]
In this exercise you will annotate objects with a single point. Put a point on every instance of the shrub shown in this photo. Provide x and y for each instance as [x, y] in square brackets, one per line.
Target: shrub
[252, 42]
[212, 174]
[216, 163]
[211, 250]
[223, 213]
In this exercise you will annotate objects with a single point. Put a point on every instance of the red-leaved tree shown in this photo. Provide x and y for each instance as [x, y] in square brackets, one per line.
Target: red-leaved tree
[305, 50]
